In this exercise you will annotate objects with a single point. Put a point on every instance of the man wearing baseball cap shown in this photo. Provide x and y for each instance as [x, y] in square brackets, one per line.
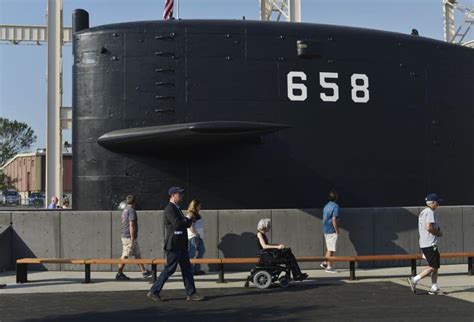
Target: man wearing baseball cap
[176, 248]
[429, 236]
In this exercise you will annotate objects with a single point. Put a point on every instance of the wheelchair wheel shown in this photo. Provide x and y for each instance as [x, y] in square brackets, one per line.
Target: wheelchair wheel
[262, 279]
[284, 281]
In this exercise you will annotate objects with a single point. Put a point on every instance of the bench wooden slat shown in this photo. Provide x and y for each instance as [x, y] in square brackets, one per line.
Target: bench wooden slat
[246, 260]
[236, 260]
[311, 259]
[162, 261]
[116, 261]
[364, 258]
[323, 259]
[455, 255]
[49, 261]
[206, 261]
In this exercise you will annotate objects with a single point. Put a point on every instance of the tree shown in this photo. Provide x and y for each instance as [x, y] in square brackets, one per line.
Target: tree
[15, 137]
[6, 182]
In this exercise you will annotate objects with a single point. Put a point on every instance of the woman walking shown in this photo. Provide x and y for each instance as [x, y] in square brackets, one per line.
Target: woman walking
[196, 247]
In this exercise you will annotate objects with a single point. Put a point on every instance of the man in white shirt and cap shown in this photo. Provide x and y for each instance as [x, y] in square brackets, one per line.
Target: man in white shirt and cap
[429, 236]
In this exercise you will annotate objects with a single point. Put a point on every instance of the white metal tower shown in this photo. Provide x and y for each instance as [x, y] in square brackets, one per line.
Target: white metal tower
[449, 7]
[290, 10]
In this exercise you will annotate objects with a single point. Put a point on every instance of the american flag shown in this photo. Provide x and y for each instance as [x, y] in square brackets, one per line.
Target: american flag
[168, 12]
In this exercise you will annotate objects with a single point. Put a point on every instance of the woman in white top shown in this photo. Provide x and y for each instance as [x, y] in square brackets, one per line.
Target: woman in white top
[196, 247]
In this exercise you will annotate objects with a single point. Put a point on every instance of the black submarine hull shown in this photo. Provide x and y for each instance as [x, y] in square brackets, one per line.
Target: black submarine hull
[248, 114]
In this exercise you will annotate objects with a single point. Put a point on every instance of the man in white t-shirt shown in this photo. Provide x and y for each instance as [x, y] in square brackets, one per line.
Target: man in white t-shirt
[429, 235]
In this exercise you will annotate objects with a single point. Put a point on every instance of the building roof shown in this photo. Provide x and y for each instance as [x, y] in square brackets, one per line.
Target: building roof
[38, 152]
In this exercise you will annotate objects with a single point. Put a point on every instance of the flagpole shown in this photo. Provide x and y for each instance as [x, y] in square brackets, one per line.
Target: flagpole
[177, 7]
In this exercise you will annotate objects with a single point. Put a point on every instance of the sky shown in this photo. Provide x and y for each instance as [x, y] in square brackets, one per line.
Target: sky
[23, 67]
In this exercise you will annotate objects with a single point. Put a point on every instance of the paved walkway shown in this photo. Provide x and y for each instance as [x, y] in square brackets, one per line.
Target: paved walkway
[378, 294]
[453, 280]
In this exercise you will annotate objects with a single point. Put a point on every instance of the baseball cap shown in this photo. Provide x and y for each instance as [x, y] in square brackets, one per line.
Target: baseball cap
[433, 197]
[173, 190]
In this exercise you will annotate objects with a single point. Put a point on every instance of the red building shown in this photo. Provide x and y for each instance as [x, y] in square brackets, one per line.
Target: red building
[27, 170]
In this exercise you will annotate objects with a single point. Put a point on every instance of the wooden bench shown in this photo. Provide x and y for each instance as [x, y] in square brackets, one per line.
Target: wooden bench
[22, 264]
[378, 258]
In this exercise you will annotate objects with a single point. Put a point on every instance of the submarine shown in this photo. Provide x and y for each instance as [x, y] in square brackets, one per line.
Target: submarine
[265, 115]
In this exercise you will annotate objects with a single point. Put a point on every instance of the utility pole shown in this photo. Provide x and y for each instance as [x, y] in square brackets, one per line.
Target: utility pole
[54, 169]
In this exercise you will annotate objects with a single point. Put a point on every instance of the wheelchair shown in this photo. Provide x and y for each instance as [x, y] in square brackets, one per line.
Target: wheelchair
[270, 269]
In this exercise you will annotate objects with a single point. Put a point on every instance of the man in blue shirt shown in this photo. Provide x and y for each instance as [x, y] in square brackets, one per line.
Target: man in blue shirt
[54, 203]
[330, 229]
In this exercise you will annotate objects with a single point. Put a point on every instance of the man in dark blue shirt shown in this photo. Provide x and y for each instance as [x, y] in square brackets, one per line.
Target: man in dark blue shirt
[330, 229]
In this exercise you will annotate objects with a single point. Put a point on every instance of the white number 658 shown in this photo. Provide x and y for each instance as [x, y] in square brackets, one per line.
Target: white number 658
[299, 91]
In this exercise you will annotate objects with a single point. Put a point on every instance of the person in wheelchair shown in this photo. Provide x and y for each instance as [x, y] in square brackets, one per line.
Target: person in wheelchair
[278, 254]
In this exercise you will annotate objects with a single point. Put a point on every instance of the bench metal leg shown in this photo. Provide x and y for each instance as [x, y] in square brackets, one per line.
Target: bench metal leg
[413, 267]
[469, 266]
[352, 270]
[87, 273]
[154, 272]
[21, 273]
[221, 274]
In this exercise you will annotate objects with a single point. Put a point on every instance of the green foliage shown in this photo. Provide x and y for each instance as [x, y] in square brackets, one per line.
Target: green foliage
[15, 137]
[6, 182]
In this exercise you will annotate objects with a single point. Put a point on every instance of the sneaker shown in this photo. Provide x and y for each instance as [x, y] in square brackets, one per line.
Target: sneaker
[323, 265]
[154, 297]
[199, 273]
[194, 297]
[412, 284]
[122, 277]
[300, 277]
[146, 274]
[330, 270]
[435, 292]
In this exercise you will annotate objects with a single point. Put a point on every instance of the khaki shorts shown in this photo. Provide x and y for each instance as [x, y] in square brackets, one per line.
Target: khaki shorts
[331, 241]
[130, 248]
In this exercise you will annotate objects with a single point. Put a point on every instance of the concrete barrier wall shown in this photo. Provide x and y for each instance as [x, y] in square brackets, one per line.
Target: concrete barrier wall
[86, 235]
[237, 231]
[6, 260]
[211, 236]
[453, 239]
[231, 233]
[37, 234]
[468, 228]
[300, 230]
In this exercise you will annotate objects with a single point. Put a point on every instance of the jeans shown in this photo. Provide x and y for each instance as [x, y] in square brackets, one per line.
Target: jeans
[172, 260]
[196, 245]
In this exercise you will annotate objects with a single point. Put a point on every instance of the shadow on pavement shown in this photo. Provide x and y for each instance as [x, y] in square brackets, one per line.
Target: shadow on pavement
[343, 302]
